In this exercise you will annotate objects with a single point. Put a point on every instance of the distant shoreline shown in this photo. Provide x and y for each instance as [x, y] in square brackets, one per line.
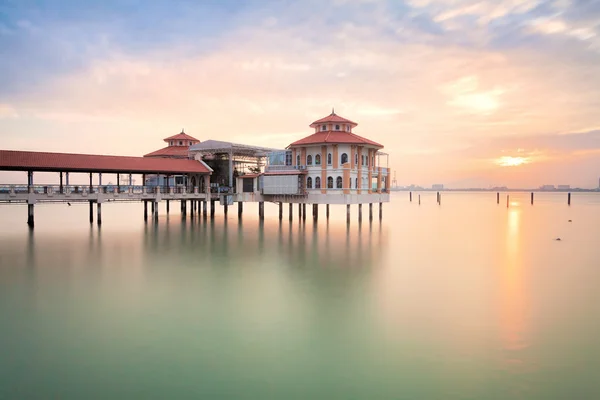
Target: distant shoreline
[495, 190]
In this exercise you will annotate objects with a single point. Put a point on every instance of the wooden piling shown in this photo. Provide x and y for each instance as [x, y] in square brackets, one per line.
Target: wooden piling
[531, 198]
[30, 219]
[438, 198]
[303, 211]
[212, 208]
[299, 211]
[204, 209]
[167, 206]
[380, 211]
[145, 210]
[347, 213]
[291, 211]
[240, 209]
[419, 199]
[360, 212]
[225, 208]
[569, 199]
[261, 210]
[280, 211]
[316, 212]
[155, 211]
[371, 211]
[497, 197]
[99, 210]
[91, 212]
[327, 211]
[410, 196]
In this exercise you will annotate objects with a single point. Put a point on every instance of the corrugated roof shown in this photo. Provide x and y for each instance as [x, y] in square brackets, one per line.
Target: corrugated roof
[182, 136]
[170, 151]
[11, 160]
[335, 137]
[333, 117]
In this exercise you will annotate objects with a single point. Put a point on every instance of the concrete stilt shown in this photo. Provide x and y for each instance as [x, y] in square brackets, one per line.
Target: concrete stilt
[507, 200]
[569, 199]
[153, 205]
[167, 206]
[410, 196]
[30, 220]
[204, 209]
[91, 212]
[315, 212]
[155, 211]
[371, 211]
[291, 212]
[347, 213]
[303, 211]
[497, 197]
[212, 208]
[380, 211]
[531, 198]
[225, 209]
[280, 211]
[99, 210]
[145, 210]
[327, 211]
[240, 209]
[359, 212]
[299, 211]
[261, 210]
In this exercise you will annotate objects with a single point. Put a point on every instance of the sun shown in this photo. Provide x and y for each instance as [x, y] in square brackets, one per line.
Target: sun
[508, 161]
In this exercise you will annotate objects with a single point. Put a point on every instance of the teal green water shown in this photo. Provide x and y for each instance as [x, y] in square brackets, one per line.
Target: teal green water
[469, 300]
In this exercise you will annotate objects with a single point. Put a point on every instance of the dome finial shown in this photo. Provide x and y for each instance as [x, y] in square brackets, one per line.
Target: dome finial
[182, 131]
[332, 111]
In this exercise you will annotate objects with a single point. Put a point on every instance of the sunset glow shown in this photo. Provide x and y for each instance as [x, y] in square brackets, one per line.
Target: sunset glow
[509, 161]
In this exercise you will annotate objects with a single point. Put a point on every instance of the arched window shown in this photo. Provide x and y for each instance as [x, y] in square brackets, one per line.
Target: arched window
[181, 143]
[298, 159]
[372, 161]
[363, 160]
[323, 127]
[348, 128]
[318, 159]
[329, 182]
[367, 161]
[317, 183]
[356, 159]
[309, 183]
[344, 158]
[309, 160]
[337, 127]
[329, 159]
[338, 182]
[171, 143]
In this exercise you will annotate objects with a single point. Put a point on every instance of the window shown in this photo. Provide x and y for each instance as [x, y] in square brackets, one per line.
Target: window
[349, 183]
[344, 158]
[372, 161]
[309, 160]
[317, 183]
[298, 159]
[356, 183]
[171, 143]
[288, 158]
[329, 182]
[309, 183]
[356, 159]
[338, 182]
[323, 127]
[329, 159]
[363, 160]
[337, 127]
[367, 161]
[190, 143]
[348, 128]
[318, 159]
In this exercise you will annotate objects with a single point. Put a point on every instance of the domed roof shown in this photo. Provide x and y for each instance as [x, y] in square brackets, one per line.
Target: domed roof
[333, 117]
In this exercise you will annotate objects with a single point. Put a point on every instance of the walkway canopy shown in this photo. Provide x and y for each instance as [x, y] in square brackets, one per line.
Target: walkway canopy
[220, 147]
[11, 160]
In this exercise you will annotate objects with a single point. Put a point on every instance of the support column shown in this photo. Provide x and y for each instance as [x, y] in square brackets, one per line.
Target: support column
[380, 211]
[303, 211]
[30, 220]
[531, 198]
[569, 199]
[91, 212]
[204, 209]
[316, 212]
[60, 190]
[67, 178]
[261, 210]
[360, 212]
[99, 209]
[153, 205]
[371, 211]
[212, 208]
[291, 212]
[90, 182]
[118, 183]
[347, 213]
[327, 211]
[280, 211]
[145, 210]
[168, 206]
[155, 211]
[299, 211]
[225, 207]
[240, 209]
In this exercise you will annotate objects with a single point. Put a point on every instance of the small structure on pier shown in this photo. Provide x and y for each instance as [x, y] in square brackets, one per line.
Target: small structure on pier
[178, 146]
[331, 166]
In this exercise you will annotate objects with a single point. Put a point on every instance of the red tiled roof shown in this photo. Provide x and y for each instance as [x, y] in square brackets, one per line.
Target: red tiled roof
[333, 117]
[335, 137]
[182, 136]
[170, 151]
[11, 160]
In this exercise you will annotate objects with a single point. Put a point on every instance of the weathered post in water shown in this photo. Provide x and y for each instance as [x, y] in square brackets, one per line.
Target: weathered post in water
[212, 208]
[438, 198]
[327, 211]
[531, 198]
[240, 209]
[291, 212]
[91, 212]
[359, 212]
[348, 213]
[569, 199]
[497, 197]
[380, 211]
[371, 210]
[99, 209]
[410, 196]
[280, 211]
[419, 199]
[303, 211]
[167, 206]
[30, 220]
[145, 210]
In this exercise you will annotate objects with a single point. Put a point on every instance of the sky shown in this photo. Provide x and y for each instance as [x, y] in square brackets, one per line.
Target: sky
[461, 92]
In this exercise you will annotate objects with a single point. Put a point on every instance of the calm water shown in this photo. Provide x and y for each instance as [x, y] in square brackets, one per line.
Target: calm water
[469, 300]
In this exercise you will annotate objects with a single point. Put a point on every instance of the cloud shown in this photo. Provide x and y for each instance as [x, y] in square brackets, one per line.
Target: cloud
[7, 111]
